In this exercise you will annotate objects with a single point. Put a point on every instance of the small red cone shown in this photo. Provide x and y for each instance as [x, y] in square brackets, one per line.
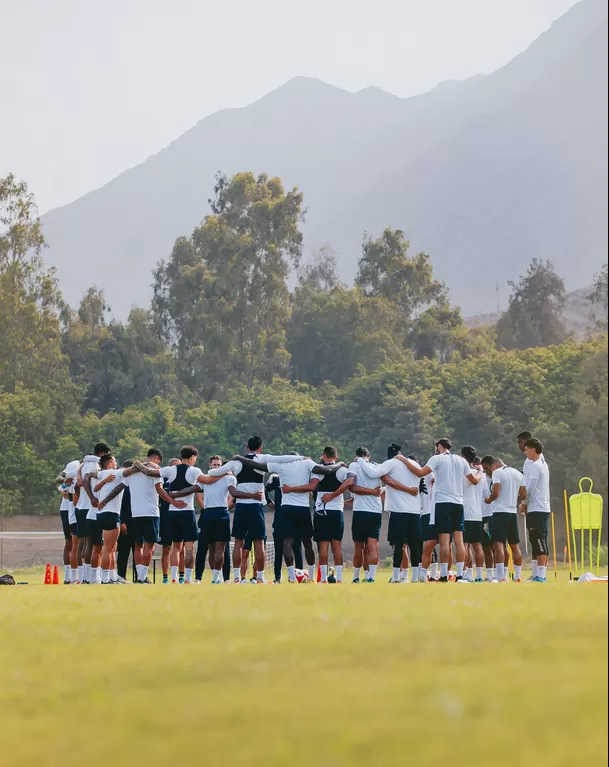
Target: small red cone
[48, 581]
[55, 576]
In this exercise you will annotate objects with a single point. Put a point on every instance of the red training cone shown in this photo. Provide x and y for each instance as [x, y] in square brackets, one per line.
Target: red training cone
[48, 581]
[55, 576]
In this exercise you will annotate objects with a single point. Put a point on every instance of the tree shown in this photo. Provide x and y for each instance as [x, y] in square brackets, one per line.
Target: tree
[534, 315]
[440, 333]
[320, 274]
[598, 298]
[222, 298]
[386, 270]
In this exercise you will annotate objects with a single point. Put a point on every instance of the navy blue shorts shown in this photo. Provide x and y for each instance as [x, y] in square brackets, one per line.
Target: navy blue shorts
[505, 528]
[214, 524]
[73, 530]
[486, 531]
[279, 522]
[473, 531]
[298, 524]
[81, 522]
[404, 528]
[537, 523]
[247, 543]
[329, 526]
[65, 524]
[365, 525]
[165, 528]
[449, 518]
[183, 526]
[108, 520]
[94, 532]
[428, 531]
[248, 521]
[144, 530]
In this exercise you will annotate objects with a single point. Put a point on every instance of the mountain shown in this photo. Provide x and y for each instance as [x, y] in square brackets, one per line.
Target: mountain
[483, 174]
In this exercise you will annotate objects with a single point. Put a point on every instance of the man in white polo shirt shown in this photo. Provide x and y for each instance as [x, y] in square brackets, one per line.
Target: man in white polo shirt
[367, 516]
[448, 470]
[507, 493]
[536, 506]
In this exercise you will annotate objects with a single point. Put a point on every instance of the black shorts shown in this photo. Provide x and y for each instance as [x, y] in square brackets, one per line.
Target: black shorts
[65, 524]
[505, 528]
[81, 522]
[404, 527]
[298, 522]
[428, 531]
[215, 525]
[365, 525]
[329, 526]
[94, 532]
[449, 518]
[183, 526]
[165, 528]
[247, 543]
[486, 531]
[144, 530]
[249, 522]
[73, 528]
[108, 520]
[473, 531]
[538, 523]
[279, 522]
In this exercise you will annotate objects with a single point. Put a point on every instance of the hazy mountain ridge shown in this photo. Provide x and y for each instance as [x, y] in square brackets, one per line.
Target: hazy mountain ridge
[483, 174]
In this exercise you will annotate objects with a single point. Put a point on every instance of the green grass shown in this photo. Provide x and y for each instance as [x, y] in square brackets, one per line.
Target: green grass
[304, 675]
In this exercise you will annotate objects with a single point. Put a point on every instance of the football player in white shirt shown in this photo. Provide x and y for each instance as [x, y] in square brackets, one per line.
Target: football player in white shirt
[507, 493]
[537, 507]
[86, 511]
[68, 480]
[448, 471]
[328, 517]
[367, 517]
[487, 517]
[473, 500]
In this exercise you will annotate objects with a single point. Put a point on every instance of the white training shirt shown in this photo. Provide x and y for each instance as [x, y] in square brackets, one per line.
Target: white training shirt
[427, 499]
[449, 470]
[89, 465]
[216, 495]
[294, 474]
[487, 508]
[114, 506]
[396, 501]
[473, 498]
[253, 487]
[65, 502]
[71, 472]
[169, 473]
[528, 462]
[144, 497]
[338, 503]
[511, 480]
[537, 481]
[366, 502]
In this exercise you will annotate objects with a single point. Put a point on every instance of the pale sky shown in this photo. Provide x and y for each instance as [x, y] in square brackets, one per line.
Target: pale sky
[89, 88]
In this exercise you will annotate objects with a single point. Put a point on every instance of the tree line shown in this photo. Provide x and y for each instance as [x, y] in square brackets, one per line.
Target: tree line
[227, 348]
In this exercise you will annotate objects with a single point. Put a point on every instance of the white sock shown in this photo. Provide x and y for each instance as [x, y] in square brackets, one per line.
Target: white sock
[80, 573]
[405, 576]
[94, 574]
[259, 575]
[460, 566]
[478, 573]
[443, 569]
[73, 574]
[541, 571]
[517, 572]
[433, 570]
[415, 574]
[311, 570]
[215, 576]
[396, 574]
[534, 567]
[174, 572]
[105, 576]
[113, 576]
[366, 574]
[324, 573]
[499, 568]
[236, 573]
[356, 572]
[490, 573]
[67, 572]
[468, 573]
[138, 570]
[339, 573]
[291, 573]
[372, 572]
[422, 574]
[144, 572]
[188, 575]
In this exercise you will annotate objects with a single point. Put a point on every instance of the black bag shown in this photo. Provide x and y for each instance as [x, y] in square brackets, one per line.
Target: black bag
[7, 580]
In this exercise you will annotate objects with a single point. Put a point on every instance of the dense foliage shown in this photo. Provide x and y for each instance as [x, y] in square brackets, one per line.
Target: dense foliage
[227, 349]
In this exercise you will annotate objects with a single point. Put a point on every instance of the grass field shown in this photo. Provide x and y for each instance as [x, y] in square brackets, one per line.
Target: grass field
[304, 675]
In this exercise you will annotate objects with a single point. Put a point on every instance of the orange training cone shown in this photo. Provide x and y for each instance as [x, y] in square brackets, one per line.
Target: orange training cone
[48, 581]
[55, 576]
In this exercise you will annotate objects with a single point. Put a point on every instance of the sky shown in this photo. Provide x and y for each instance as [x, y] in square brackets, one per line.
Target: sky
[89, 89]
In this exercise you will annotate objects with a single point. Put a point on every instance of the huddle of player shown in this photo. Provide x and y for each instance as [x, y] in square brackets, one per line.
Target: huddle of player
[453, 500]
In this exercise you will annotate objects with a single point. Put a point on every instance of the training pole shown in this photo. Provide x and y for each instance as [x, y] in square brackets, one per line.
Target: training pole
[554, 544]
[568, 529]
